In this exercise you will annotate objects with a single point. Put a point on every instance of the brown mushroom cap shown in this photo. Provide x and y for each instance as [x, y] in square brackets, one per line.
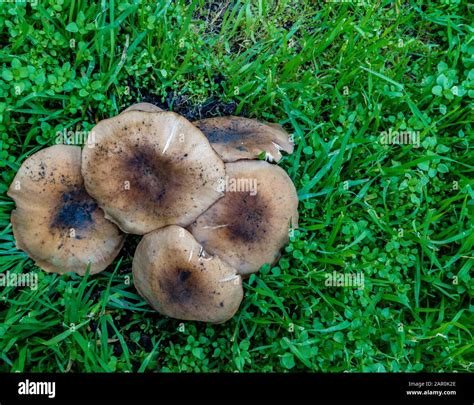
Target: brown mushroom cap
[178, 279]
[147, 170]
[250, 224]
[236, 138]
[55, 221]
[146, 107]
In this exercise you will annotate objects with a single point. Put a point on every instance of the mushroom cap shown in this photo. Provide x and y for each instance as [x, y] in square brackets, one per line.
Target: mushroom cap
[236, 138]
[147, 171]
[55, 221]
[146, 107]
[250, 224]
[178, 279]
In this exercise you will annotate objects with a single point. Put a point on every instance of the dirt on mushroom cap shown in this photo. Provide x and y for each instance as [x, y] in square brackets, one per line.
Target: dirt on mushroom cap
[149, 170]
[173, 273]
[55, 221]
[236, 138]
[248, 227]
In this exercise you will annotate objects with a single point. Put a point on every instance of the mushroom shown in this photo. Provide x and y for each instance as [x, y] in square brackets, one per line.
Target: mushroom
[147, 171]
[146, 107]
[179, 279]
[250, 224]
[236, 138]
[55, 221]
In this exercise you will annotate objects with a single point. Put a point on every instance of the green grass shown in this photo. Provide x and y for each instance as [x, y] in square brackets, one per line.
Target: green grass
[336, 75]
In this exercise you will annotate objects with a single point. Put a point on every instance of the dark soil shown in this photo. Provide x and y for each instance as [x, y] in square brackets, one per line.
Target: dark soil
[181, 103]
[212, 14]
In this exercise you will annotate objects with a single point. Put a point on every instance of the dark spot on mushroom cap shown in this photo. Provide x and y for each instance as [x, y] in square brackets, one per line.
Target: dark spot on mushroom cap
[217, 135]
[179, 286]
[151, 177]
[234, 133]
[184, 275]
[74, 210]
[42, 171]
[247, 215]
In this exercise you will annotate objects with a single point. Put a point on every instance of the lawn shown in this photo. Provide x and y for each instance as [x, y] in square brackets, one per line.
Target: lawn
[346, 79]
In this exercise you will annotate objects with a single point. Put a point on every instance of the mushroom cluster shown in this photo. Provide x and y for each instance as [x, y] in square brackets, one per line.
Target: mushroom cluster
[210, 211]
